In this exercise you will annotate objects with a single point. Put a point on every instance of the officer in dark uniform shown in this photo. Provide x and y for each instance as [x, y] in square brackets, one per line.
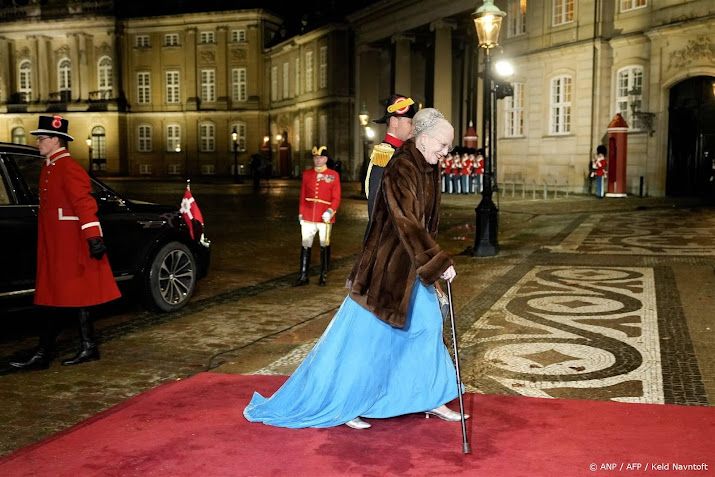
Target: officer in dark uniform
[399, 111]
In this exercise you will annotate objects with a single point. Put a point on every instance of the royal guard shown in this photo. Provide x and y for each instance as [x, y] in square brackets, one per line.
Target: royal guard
[319, 201]
[478, 171]
[399, 111]
[442, 166]
[454, 176]
[465, 172]
[598, 170]
[448, 169]
[73, 271]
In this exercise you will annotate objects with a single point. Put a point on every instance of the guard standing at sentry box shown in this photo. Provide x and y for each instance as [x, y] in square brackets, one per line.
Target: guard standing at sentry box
[319, 202]
[399, 111]
[73, 271]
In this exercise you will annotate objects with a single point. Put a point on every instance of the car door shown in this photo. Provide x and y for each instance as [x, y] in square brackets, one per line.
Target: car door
[18, 223]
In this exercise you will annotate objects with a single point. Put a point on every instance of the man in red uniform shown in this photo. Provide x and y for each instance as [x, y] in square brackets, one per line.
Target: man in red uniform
[72, 268]
[319, 201]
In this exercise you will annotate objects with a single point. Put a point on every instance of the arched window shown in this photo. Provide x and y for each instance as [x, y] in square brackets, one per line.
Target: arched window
[64, 75]
[24, 80]
[98, 152]
[18, 135]
[207, 136]
[104, 75]
[629, 89]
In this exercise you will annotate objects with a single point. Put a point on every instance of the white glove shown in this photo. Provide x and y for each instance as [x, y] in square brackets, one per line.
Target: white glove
[300, 219]
[326, 216]
[449, 274]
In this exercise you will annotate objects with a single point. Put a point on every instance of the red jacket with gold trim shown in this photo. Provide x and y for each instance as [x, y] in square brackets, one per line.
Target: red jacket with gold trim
[66, 275]
[319, 192]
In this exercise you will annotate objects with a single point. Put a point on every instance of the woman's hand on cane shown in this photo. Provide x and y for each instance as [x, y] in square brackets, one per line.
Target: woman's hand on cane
[449, 274]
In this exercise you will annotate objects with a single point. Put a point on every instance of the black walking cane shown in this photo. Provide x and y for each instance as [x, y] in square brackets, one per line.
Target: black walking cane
[465, 442]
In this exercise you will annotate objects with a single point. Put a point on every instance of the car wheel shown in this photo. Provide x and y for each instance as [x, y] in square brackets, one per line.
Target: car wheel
[172, 277]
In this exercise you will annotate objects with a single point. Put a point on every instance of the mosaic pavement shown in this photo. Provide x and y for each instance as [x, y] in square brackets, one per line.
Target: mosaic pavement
[569, 324]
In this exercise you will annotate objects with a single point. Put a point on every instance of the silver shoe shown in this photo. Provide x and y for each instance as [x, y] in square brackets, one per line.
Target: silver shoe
[357, 423]
[446, 414]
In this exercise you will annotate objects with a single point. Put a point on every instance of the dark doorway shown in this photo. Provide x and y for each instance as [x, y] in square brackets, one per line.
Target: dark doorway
[691, 138]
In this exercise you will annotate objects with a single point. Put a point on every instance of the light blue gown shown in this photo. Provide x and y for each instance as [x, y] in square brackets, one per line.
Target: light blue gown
[362, 366]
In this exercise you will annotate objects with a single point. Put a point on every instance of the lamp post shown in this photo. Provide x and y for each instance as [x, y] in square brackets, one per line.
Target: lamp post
[487, 21]
[364, 117]
[88, 142]
[234, 140]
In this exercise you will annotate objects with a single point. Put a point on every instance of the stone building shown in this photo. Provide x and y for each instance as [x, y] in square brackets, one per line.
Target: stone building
[577, 63]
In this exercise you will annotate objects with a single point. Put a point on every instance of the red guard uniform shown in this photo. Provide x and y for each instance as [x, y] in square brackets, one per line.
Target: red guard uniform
[66, 274]
[319, 192]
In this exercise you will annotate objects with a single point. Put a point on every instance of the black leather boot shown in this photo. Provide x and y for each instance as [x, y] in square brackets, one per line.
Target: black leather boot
[45, 352]
[327, 251]
[88, 350]
[304, 266]
[324, 256]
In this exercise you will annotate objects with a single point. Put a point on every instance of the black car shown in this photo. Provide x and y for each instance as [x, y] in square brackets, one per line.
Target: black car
[148, 245]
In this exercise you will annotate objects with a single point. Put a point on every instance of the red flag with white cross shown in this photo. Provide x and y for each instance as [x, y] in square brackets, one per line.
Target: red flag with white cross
[190, 212]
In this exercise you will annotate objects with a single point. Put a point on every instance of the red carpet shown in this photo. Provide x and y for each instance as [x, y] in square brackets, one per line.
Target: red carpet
[195, 428]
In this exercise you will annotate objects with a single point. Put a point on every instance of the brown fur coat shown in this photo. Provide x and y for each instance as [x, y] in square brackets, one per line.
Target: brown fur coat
[400, 243]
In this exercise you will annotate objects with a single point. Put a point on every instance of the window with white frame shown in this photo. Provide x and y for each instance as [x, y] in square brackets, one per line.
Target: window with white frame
[206, 37]
[561, 90]
[629, 86]
[274, 83]
[207, 137]
[296, 134]
[208, 85]
[171, 39]
[104, 74]
[171, 81]
[208, 169]
[516, 18]
[64, 75]
[562, 11]
[143, 87]
[25, 80]
[514, 112]
[285, 79]
[99, 144]
[323, 130]
[309, 132]
[323, 67]
[145, 169]
[308, 71]
[298, 78]
[144, 143]
[18, 135]
[240, 128]
[627, 5]
[173, 169]
[238, 36]
[173, 138]
[142, 41]
[238, 84]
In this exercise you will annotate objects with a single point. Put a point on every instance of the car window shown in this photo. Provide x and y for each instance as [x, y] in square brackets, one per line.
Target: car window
[29, 166]
[4, 196]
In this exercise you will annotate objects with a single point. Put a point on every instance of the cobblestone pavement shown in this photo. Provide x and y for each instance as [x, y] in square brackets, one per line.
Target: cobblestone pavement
[588, 298]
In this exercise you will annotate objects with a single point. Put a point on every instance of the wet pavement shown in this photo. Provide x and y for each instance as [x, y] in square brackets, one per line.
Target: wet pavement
[588, 299]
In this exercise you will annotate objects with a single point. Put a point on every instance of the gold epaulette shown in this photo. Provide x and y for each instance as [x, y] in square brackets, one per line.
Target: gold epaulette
[381, 154]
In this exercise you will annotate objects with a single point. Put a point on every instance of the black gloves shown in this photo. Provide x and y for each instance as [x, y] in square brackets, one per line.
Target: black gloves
[97, 249]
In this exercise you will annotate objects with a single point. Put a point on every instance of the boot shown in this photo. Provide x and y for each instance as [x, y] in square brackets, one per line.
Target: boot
[88, 350]
[304, 265]
[45, 352]
[327, 248]
[324, 257]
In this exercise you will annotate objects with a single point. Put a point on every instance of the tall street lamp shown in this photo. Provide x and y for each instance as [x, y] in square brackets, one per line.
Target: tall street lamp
[487, 21]
[234, 139]
[364, 117]
[88, 142]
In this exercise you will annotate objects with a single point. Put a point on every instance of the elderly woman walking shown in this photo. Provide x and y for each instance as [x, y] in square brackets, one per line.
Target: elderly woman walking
[383, 355]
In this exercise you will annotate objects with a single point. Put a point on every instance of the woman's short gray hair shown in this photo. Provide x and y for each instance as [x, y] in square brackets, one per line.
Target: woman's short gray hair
[425, 120]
